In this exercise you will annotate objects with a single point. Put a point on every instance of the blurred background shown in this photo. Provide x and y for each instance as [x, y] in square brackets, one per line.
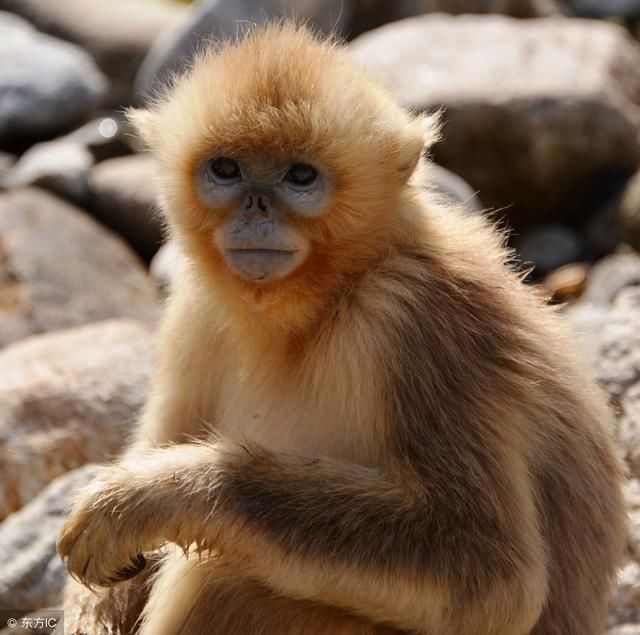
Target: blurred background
[541, 106]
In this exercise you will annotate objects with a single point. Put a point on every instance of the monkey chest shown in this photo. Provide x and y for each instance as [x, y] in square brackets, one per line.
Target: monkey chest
[282, 419]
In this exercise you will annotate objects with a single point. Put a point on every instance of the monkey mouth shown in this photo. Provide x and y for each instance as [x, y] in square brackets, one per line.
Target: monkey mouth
[259, 264]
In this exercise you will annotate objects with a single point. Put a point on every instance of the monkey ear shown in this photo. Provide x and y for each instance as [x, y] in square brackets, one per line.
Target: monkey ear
[143, 123]
[423, 132]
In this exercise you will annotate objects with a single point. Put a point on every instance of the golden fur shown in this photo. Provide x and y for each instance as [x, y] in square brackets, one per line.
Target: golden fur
[396, 438]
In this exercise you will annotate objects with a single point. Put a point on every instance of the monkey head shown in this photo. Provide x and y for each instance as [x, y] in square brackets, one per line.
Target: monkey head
[281, 162]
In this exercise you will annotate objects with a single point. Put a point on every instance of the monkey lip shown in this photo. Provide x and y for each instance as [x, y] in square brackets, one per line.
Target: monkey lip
[262, 264]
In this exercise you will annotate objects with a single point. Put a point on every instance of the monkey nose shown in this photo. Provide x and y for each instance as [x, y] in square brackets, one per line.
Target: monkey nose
[258, 204]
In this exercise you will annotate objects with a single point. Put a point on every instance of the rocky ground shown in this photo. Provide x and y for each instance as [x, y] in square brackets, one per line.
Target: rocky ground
[542, 128]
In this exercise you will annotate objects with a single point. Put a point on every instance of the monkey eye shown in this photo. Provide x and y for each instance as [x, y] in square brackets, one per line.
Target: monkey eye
[224, 168]
[301, 174]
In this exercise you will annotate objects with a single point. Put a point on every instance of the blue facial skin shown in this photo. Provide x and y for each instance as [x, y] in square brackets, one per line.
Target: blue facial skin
[257, 240]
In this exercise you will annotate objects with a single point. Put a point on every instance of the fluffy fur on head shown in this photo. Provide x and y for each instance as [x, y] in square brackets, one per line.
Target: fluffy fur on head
[281, 91]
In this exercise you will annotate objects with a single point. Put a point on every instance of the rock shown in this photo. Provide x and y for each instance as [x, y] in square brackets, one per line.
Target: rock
[539, 113]
[59, 268]
[625, 609]
[606, 279]
[618, 370]
[632, 493]
[634, 534]
[45, 84]
[219, 20]
[625, 604]
[60, 166]
[586, 321]
[566, 283]
[451, 187]
[68, 398]
[123, 197]
[6, 163]
[165, 266]
[632, 497]
[104, 137]
[625, 629]
[117, 33]
[370, 14]
[32, 575]
[629, 213]
[610, 276]
[548, 247]
[625, 9]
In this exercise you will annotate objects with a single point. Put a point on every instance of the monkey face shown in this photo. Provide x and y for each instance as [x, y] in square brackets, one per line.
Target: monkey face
[257, 201]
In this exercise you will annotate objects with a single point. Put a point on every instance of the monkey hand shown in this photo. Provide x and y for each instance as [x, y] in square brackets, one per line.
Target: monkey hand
[103, 539]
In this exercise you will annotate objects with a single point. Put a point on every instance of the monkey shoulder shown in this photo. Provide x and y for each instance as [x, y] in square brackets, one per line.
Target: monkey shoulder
[455, 349]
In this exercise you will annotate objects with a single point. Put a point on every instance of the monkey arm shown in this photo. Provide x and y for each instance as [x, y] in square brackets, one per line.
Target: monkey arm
[319, 529]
